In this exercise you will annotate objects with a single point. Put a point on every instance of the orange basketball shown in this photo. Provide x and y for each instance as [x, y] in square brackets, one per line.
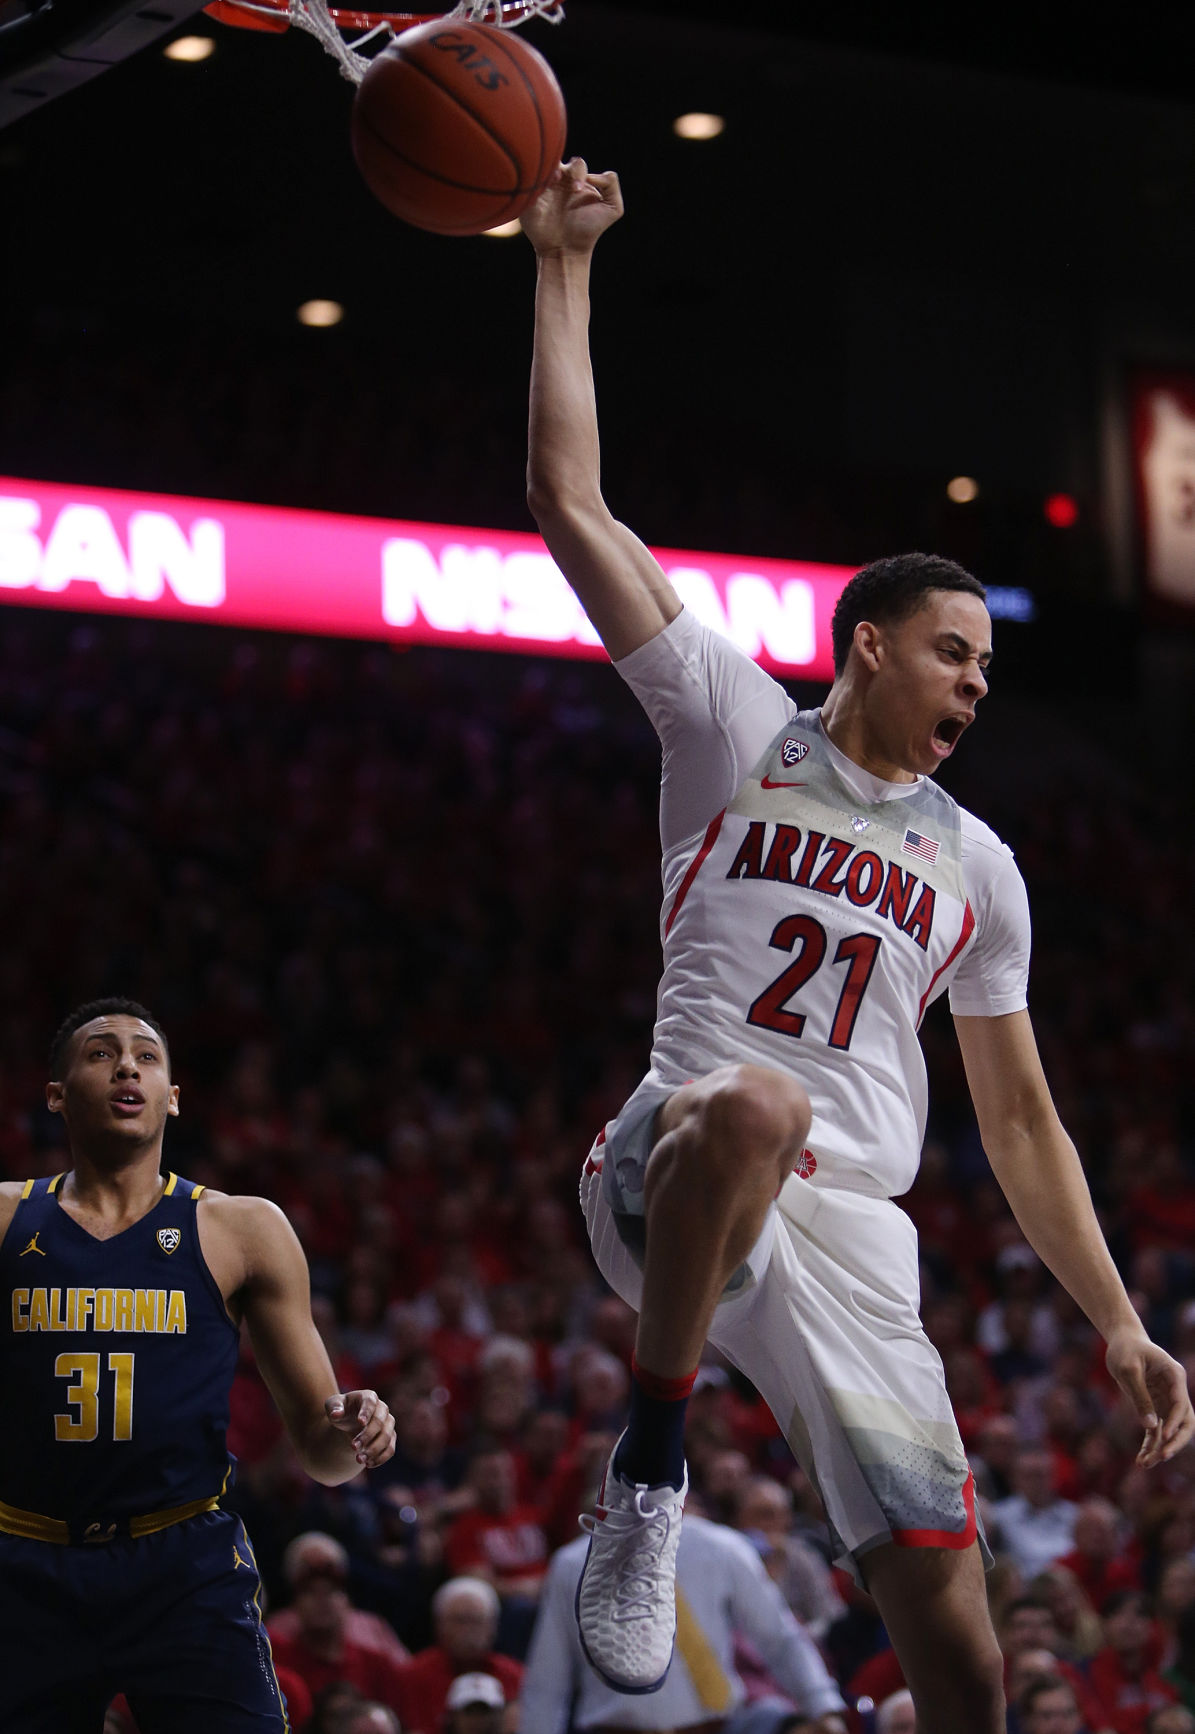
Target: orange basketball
[457, 127]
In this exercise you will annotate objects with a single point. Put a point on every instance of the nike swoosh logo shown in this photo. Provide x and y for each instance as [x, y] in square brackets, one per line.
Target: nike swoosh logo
[767, 783]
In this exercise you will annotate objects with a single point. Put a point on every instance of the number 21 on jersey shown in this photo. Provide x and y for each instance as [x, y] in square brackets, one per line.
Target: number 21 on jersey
[858, 952]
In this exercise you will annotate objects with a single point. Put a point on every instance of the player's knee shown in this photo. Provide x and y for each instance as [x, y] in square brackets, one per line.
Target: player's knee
[755, 1120]
[978, 1668]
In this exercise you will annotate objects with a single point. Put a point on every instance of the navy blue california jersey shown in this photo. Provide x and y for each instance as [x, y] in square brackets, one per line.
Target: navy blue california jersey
[116, 1359]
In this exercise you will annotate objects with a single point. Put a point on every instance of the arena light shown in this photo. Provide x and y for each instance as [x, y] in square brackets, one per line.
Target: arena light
[504, 230]
[190, 49]
[698, 125]
[320, 314]
[962, 490]
[1061, 510]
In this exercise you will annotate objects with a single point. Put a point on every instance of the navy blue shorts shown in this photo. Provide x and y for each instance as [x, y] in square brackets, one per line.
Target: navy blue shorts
[172, 1620]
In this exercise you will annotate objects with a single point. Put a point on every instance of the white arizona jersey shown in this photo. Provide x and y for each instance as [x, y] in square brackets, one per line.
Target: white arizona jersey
[811, 911]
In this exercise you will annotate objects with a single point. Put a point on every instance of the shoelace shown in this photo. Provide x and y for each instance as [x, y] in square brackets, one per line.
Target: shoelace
[635, 1587]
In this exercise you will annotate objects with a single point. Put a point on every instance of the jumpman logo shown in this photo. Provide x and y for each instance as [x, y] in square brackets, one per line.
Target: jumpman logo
[33, 1247]
[237, 1560]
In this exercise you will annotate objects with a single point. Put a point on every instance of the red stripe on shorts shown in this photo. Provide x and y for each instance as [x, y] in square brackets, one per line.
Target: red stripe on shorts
[708, 841]
[956, 1538]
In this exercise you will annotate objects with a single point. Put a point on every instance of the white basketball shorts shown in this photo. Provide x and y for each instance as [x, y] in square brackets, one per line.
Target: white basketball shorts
[823, 1320]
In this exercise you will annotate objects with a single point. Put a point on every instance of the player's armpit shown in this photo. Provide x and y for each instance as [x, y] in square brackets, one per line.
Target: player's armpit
[290, 1352]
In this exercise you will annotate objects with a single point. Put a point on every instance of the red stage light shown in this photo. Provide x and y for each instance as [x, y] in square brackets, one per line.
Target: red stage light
[1062, 510]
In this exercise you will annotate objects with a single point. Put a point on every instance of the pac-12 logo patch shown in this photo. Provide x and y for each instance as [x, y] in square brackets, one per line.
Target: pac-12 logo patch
[168, 1238]
[792, 752]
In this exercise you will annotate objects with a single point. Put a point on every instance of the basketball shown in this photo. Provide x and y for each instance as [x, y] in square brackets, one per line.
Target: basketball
[457, 127]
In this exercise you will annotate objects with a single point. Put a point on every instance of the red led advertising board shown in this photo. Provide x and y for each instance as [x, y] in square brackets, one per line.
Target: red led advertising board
[109, 552]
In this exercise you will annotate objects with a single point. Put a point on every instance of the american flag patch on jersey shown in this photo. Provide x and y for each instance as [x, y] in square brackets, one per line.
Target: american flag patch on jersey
[916, 844]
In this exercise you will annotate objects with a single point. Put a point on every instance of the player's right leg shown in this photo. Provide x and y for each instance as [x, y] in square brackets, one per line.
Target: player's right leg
[724, 1146]
[52, 1679]
[687, 1184]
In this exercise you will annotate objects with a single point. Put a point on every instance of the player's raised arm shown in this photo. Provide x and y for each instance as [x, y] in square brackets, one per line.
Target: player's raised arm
[1039, 1171]
[621, 587]
[335, 1433]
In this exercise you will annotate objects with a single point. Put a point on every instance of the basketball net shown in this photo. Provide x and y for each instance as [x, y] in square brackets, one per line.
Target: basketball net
[325, 22]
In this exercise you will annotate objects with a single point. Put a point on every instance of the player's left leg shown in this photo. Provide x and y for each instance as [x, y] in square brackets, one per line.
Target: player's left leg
[200, 1659]
[832, 1339]
[935, 1608]
[52, 1679]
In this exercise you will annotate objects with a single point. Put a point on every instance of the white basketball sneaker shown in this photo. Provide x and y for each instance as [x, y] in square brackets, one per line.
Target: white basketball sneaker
[626, 1599]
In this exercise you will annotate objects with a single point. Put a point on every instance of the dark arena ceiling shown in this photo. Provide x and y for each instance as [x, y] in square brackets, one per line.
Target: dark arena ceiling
[923, 241]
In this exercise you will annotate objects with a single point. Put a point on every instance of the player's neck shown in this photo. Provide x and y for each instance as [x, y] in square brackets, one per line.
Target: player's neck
[113, 1190]
[849, 728]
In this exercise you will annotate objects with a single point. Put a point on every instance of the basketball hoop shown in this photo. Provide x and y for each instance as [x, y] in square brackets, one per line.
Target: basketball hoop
[325, 21]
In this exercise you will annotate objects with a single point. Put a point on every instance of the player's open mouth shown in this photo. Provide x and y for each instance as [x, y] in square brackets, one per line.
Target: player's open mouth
[948, 732]
[128, 1102]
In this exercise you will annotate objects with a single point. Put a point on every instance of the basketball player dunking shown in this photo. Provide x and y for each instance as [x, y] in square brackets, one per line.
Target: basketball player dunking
[124, 1289]
[819, 892]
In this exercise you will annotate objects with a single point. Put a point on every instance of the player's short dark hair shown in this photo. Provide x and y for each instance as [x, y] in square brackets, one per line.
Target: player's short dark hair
[892, 589]
[112, 1006]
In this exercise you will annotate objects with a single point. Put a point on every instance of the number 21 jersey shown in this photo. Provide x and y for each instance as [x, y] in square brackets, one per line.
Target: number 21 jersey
[817, 913]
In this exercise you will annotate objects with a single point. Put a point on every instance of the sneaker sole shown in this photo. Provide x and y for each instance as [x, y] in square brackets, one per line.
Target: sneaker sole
[609, 1679]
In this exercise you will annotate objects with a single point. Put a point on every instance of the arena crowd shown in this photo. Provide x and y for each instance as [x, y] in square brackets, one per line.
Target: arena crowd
[398, 914]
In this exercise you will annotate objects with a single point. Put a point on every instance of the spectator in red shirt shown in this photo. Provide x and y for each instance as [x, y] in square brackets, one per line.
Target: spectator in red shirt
[315, 1554]
[1122, 1675]
[543, 1447]
[498, 1538]
[320, 1649]
[465, 1617]
[1098, 1558]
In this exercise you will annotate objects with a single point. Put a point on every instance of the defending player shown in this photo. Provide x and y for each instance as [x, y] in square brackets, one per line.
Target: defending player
[124, 1291]
[819, 892]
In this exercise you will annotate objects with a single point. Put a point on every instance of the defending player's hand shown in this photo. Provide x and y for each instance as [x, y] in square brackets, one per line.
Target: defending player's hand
[1156, 1386]
[573, 210]
[368, 1419]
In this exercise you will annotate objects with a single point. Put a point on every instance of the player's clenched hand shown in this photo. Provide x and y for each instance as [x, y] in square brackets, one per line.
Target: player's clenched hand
[1156, 1386]
[573, 210]
[368, 1419]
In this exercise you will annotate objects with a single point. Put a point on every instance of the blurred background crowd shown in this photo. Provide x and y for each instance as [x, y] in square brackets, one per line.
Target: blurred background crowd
[398, 913]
